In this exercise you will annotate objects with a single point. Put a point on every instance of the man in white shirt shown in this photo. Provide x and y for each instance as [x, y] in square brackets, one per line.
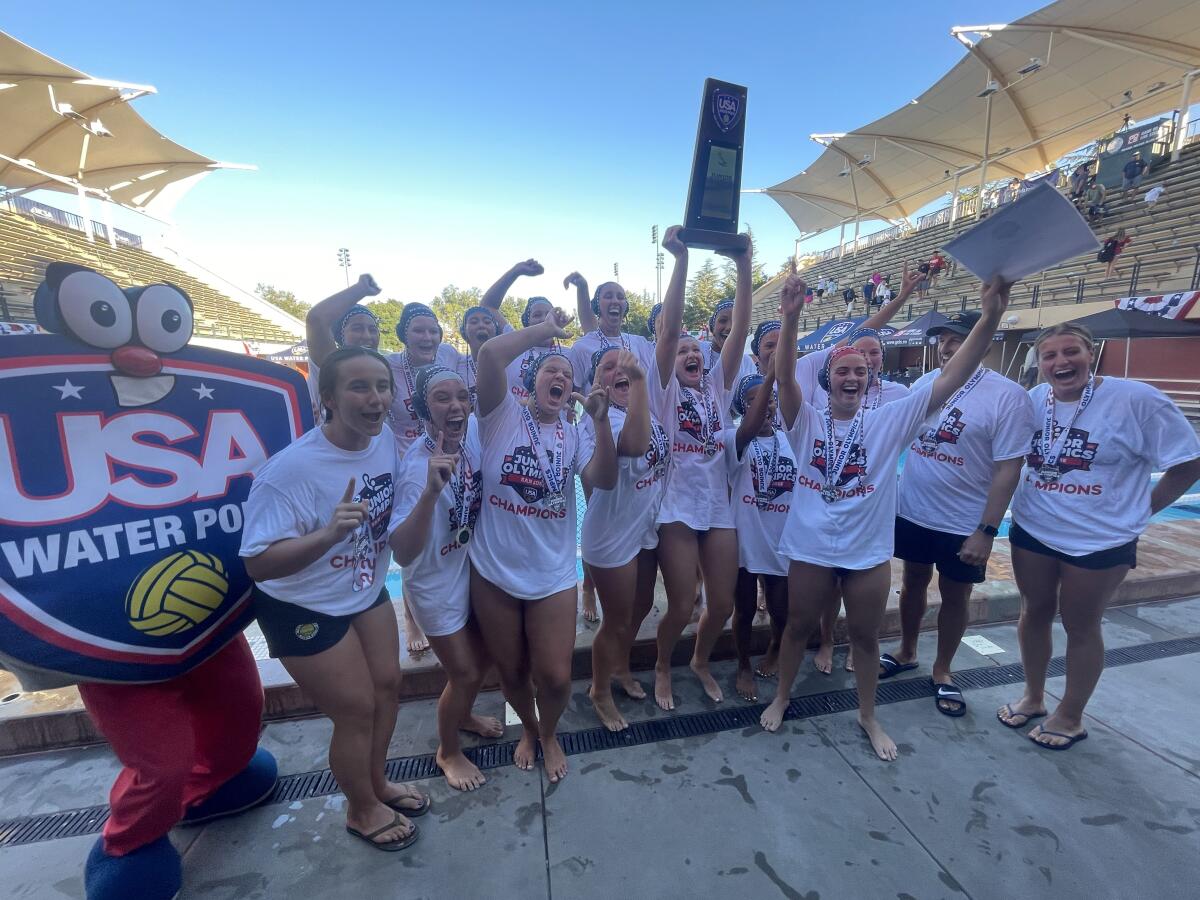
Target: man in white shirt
[957, 482]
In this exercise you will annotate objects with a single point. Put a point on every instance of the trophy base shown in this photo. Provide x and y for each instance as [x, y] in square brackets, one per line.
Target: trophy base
[713, 240]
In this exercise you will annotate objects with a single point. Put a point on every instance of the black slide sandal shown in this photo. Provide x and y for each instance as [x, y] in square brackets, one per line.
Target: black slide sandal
[949, 693]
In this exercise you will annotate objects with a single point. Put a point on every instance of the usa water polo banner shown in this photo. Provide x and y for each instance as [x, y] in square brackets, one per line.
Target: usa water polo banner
[125, 458]
[1168, 306]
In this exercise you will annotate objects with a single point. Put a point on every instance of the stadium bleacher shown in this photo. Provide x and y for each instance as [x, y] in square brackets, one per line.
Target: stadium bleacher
[26, 246]
[1164, 257]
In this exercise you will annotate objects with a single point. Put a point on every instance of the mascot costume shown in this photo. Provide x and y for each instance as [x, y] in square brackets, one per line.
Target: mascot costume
[125, 457]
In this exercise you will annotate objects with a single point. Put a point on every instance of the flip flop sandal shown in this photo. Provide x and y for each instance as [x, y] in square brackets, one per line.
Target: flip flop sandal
[1072, 739]
[410, 812]
[1010, 712]
[387, 846]
[892, 666]
[949, 693]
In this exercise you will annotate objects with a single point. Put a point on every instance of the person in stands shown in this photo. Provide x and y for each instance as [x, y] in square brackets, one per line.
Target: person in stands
[1093, 199]
[1133, 171]
[1084, 497]
[1111, 249]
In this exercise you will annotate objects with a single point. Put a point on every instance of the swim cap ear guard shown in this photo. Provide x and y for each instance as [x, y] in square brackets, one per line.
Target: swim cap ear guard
[836, 354]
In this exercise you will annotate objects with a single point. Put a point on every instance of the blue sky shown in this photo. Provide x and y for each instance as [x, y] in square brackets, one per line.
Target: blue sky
[443, 142]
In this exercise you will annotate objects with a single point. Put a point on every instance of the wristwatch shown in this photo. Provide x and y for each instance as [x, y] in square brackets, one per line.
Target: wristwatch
[989, 530]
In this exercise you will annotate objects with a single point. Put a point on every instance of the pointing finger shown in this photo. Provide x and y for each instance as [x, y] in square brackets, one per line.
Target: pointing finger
[349, 494]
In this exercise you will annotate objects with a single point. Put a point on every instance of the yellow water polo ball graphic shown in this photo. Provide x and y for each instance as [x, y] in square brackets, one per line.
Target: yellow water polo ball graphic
[176, 593]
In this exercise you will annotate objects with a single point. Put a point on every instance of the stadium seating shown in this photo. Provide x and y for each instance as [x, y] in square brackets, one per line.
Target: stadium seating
[27, 246]
[1165, 252]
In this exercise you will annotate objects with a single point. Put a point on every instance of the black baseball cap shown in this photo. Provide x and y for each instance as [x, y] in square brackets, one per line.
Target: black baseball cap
[960, 323]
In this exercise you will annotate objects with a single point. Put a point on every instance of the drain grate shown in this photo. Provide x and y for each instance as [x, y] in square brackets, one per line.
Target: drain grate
[307, 785]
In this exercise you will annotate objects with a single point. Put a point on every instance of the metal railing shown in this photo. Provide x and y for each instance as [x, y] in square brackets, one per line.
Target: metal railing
[43, 212]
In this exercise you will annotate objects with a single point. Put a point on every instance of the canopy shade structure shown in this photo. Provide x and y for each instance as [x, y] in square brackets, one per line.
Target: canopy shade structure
[1024, 94]
[63, 129]
[914, 333]
[832, 332]
[1131, 323]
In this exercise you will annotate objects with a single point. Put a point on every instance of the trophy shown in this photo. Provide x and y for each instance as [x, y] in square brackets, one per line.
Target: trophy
[715, 190]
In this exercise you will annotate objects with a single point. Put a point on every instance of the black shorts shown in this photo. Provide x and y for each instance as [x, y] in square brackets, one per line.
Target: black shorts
[918, 544]
[1124, 555]
[293, 630]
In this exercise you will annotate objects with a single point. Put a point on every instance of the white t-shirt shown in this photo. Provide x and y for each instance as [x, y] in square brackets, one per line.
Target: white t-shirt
[946, 489]
[808, 366]
[621, 522]
[402, 419]
[1102, 497]
[697, 492]
[580, 352]
[437, 583]
[295, 493]
[1154, 193]
[521, 545]
[515, 372]
[759, 528]
[855, 531]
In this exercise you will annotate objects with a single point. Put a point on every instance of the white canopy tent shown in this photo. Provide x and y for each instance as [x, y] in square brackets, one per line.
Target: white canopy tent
[64, 130]
[1023, 95]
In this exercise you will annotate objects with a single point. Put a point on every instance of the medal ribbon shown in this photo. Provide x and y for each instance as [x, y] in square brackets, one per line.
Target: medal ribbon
[412, 389]
[710, 414]
[1052, 449]
[833, 467]
[764, 465]
[957, 398]
[553, 472]
[605, 343]
[460, 480]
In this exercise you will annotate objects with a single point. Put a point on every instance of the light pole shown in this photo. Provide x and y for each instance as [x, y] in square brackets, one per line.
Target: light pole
[616, 273]
[344, 262]
[658, 262]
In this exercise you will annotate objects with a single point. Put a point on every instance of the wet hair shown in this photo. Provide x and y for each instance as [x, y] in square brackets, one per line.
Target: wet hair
[339, 328]
[425, 378]
[327, 381]
[1071, 329]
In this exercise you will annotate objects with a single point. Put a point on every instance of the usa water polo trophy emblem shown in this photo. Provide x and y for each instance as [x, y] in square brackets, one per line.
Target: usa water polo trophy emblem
[711, 218]
[726, 107]
[125, 457]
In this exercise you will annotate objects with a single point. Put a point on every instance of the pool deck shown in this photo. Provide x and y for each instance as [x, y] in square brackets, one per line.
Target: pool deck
[970, 809]
[1168, 567]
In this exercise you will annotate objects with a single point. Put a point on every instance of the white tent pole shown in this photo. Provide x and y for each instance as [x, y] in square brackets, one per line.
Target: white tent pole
[857, 208]
[1181, 126]
[841, 240]
[106, 212]
[983, 163]
[83, 210]
[954, 199]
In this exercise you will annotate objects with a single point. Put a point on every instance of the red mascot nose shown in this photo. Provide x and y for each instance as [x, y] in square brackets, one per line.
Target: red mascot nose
[136, 361]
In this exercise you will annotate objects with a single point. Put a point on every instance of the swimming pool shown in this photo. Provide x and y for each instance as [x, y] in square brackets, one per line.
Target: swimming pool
[1186, 507]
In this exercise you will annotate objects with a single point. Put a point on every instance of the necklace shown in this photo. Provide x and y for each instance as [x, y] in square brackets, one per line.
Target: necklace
[1051, 449]
[834, 466]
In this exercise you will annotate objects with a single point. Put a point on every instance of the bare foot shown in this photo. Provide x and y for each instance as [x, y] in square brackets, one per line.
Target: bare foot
[554, 760]
[823, 661]
[484, 726]
[403, 797]
[1016, 715]
[662, 689]
[849, 659]
[707, 681]
[744, 683]
[631, 686]
[417, 642]
[526, 751]
[768, 666]
[606, 710]
[884, 746]
[772, 716]
[461, 774]
[589, 605]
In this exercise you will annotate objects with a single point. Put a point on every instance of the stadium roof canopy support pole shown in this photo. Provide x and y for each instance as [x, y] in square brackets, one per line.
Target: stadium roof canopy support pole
[954, 199]
[983, 165]
[1185, 101]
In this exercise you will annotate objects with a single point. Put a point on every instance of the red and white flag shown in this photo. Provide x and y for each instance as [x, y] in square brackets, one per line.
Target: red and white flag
[1168, 306]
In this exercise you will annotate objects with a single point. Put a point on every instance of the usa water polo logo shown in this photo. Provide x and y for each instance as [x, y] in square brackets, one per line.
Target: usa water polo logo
[856, 462]
[727, 108]
[522, 472]
[125, 457]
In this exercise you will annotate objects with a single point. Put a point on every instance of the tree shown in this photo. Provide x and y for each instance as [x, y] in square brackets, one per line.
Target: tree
[388, 312]
[704, 291]
[449, 306]
[637, 322]
[285, 300]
